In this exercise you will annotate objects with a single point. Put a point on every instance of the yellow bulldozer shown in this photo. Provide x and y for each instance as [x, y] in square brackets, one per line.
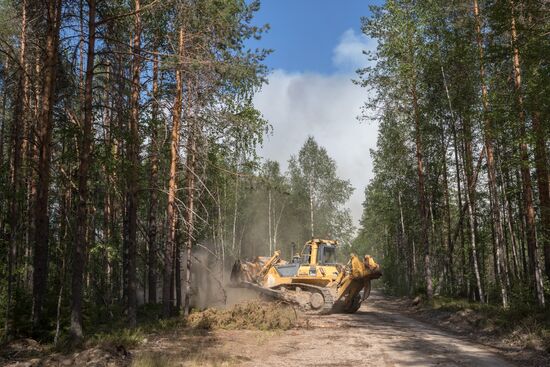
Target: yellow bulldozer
[312, 280]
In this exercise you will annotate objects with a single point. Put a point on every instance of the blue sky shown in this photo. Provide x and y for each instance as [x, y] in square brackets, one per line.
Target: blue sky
[304, 32]
[317, 47]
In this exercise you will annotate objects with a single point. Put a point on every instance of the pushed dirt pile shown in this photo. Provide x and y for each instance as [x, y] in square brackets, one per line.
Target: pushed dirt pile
[250, 315]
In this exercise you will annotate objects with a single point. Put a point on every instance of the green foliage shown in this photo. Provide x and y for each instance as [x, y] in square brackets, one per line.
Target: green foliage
[317, 190]
[9, 25]
[221, 75]
[427, 52]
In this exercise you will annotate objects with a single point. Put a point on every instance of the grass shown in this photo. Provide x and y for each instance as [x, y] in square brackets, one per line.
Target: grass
[125, 338]
[523, 325]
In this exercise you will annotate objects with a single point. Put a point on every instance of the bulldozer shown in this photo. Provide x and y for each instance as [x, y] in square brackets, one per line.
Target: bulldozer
[312, 279]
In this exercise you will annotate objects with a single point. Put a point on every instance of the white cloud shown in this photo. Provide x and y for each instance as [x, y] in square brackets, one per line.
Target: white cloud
[326, 107]
[348, 54]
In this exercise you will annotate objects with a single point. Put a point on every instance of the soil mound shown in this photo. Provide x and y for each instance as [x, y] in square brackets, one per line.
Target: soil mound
[251, 315]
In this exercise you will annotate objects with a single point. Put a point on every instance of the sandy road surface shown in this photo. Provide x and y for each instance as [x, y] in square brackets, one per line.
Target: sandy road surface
[378, 335]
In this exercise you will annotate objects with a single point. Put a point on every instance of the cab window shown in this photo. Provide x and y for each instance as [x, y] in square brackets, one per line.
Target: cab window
[327, 255]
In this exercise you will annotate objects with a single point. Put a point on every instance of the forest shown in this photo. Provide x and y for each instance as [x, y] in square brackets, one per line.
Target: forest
[130, 167]
[128, 151]
[460, 204]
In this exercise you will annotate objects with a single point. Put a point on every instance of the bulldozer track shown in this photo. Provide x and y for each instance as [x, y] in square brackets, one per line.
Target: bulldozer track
[287, 296]
[328, 304]
[329, 301]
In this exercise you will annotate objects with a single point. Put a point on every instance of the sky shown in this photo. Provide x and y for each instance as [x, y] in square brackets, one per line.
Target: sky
[317, 46]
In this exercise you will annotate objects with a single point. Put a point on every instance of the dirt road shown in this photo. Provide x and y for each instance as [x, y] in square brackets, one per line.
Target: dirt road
[378, 335]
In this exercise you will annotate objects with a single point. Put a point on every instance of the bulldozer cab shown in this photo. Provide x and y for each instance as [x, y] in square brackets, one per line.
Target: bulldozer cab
[319, 252]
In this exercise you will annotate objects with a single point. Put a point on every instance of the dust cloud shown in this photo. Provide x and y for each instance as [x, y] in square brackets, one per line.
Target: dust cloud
[210, 282]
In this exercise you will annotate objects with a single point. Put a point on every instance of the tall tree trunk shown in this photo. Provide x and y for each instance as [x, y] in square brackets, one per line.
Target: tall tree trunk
[521, 219]
[190, 207]
[120, 230]
[235, 211]
[171, 210]
[221, 233]
[509, 220]
[470, 192]
[410, 274]
[28, 119]
[446, 184]
[311, 206]
[153, 183]
[423, 209]
[133, 174]
[500, 187]
[65, 206]
[488, 141]
[421, 192]
[177, 267]
[276, 224]
[270, 238]
[459, 195]
[19, 120]
[3, 114]
[81, 244]
[447, 240]
[32, 160]
[529, 209]
[108, 198]
[543, 183]
[44, 137]
[470, 204]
